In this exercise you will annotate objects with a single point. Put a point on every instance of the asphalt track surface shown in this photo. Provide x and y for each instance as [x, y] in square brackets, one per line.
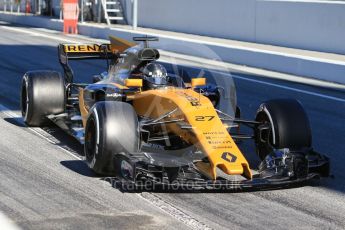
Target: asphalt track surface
[43, 185]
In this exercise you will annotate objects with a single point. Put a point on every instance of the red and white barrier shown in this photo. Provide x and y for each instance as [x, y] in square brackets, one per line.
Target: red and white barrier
[70, 16]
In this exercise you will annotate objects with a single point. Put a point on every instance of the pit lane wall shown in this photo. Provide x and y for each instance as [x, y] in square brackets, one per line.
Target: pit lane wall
[317, 25]
[281, 62]
[304, 24]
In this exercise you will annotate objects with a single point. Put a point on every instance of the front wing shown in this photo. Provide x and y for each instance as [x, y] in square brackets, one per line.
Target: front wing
[136, 175]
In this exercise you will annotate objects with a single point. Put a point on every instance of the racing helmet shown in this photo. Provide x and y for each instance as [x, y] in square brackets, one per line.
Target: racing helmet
[155, 75]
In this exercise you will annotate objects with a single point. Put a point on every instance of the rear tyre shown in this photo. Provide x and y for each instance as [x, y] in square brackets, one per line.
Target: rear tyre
[111, 129]
[42, 94]
[285, 124]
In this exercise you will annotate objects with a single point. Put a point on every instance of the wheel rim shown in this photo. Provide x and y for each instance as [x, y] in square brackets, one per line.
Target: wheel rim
[25, 100]
[90, 140]
[264, 148]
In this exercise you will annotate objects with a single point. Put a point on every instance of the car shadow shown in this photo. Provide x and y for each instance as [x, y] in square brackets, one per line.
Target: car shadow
[64, 140]
[80, 167]
[61, 138]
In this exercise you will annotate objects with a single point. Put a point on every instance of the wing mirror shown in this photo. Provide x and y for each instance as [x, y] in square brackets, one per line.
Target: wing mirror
[198, 82]
[134, 82]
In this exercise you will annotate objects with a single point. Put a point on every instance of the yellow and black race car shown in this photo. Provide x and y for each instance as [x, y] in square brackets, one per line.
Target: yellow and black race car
[141, 124]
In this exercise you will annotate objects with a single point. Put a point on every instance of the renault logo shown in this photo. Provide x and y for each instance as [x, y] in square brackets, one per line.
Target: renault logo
[229, 157]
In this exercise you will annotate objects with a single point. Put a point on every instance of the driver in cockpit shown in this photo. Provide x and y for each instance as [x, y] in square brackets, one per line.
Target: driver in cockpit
[154, 75]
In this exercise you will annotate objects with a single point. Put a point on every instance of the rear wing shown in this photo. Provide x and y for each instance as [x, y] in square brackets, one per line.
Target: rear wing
[91, 51]
[85, 51]
[81, 52]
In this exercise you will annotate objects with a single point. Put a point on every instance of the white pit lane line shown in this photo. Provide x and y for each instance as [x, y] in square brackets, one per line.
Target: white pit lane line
[173, 211]
[153, 199]
[7, 223]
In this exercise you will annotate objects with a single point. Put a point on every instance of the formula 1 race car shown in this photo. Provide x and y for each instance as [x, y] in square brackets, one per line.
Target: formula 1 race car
[141, 124]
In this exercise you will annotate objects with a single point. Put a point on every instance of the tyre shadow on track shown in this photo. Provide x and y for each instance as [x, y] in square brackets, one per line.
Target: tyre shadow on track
[79, 167]
[18, 121]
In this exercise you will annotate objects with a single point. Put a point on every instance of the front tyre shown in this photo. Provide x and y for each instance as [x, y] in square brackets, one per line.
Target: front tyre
[42, 94]
[284, 124]
[111, 129]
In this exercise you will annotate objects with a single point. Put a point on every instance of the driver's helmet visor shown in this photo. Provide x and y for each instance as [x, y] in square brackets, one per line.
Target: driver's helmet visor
[157, 80]
[158, 76]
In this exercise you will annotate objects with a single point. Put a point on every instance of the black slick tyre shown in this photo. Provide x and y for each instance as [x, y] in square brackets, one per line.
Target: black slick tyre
[42, 94]
[111, 129]
[287, 126]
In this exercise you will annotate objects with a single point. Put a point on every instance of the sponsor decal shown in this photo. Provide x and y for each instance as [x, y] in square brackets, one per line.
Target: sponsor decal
[114, 95]
[90, 48]
[194, 101]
